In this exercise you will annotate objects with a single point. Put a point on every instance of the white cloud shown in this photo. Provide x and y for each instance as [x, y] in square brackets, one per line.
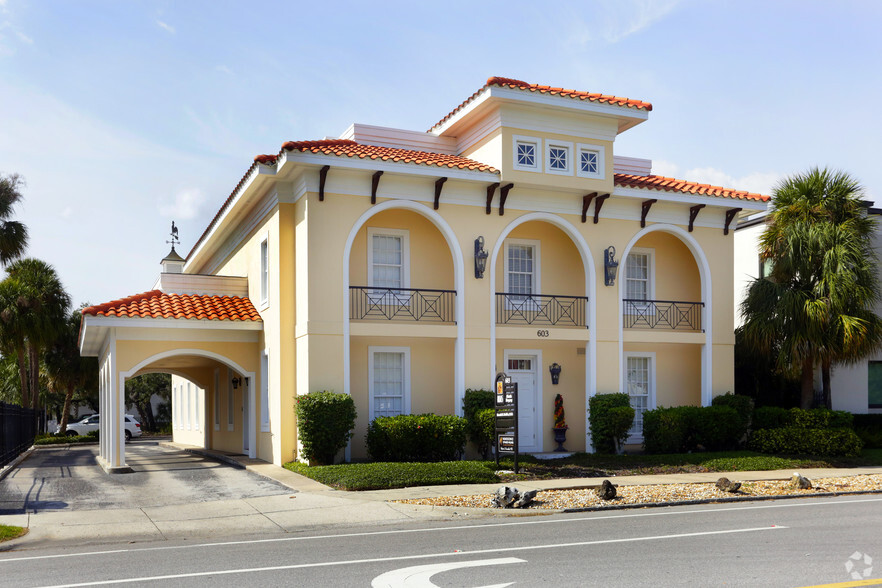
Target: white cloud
[223, 69]
[612, 21]
[24, 38]
[186, 205]
[165, 26]
[67, 212]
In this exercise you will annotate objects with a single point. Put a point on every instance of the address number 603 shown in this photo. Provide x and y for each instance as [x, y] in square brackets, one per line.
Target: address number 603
[543, 333]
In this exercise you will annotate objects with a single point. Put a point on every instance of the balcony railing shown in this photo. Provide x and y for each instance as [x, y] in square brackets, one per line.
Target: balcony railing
[538, 309]
[662, 314]
[402, 304]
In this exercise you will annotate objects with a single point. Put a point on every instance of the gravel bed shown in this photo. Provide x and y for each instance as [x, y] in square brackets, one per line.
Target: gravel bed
[667, 493]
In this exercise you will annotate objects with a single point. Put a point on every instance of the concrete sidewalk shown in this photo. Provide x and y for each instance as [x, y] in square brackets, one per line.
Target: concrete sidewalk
[310, 506]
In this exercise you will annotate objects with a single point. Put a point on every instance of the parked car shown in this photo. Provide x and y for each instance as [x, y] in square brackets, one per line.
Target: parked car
[90, 423]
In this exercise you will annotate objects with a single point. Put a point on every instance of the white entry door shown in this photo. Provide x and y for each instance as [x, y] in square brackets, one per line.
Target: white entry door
[523, 370]
[246, 416]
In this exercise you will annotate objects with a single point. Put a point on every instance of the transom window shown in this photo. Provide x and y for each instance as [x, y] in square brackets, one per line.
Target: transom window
[520, 364]
[388, 263]
[389, 381]
[639, 383]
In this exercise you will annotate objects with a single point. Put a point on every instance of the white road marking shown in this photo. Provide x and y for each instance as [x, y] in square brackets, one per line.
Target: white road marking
[574, 519]
[411, 557]
[420, 576]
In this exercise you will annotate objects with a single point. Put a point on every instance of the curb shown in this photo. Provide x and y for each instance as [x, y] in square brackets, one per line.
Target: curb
[14, 463]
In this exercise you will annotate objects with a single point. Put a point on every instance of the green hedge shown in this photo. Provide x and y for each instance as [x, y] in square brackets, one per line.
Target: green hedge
[869, 428]
[324, 424]
[382, 475]
[473, 404]
[420, 437]
[486, 418]
[742, 404]
[53, 439]
[773, 417]
[684, 428]
[609, 418]
[801, 441]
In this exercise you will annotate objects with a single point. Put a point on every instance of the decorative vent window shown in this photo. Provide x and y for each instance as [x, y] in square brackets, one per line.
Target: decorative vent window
[558, 157]
[590, 164]
[639, 379]
[526, 153]
[389, 381]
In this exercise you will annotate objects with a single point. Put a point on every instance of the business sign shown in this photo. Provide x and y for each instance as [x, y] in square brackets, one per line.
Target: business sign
[506, 418]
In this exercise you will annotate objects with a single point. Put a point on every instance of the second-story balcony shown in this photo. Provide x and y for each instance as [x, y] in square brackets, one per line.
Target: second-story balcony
[541, 309]
[668, 315]
[402, 304]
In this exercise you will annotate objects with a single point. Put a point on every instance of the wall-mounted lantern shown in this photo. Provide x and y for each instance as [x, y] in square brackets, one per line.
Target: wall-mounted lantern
[480, 258]
[555, 373]
[610, 266]
[236, 382]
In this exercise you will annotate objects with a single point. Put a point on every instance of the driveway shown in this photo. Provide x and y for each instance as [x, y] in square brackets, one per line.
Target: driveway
[69, 479]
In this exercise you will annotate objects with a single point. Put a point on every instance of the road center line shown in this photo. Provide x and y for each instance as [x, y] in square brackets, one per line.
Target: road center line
[412, 557]
[544, 521]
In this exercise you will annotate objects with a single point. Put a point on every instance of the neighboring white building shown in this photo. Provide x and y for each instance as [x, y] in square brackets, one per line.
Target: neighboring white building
[856, 389]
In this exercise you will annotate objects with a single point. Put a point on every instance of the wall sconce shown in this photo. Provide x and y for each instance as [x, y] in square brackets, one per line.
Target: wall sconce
[555, 373]
[480, 258]
[610, 266]
[236, 382]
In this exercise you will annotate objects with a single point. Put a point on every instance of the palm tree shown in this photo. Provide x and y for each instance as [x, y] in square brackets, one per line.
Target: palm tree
[816, 306]
[35, 316]
[67, 370]
[13, 234]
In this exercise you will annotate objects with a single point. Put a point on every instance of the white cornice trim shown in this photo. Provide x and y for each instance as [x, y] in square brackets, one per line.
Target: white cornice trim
[391, 167]
[172, 323]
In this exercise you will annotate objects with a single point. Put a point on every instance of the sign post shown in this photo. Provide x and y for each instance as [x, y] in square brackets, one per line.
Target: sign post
[506, 418]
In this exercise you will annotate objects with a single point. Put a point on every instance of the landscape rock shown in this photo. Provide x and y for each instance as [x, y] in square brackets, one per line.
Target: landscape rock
[607, 490]
[800, 482]
[507, 497]
[525, 499]
[726, 485]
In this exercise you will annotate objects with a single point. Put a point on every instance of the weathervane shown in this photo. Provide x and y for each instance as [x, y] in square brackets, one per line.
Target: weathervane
[174, 236]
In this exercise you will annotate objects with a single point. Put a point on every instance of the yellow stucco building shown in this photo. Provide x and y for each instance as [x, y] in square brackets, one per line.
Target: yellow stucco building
[405, 267]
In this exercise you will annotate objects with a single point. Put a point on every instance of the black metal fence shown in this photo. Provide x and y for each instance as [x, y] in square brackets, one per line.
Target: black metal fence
[18, 427]
[402, 304]
[538, 309]
[662, 314]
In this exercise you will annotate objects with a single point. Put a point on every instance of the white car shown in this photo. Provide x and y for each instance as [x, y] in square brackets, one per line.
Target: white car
[90, 423]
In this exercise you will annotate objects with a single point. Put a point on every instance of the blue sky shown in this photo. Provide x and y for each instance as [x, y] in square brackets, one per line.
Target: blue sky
[122, 116]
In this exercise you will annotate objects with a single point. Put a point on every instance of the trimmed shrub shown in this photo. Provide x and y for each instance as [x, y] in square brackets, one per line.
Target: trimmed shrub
[716, 428]
[742, 404]
[666, 430]
[324, 424]
[799, 441]
[486, 419]
[607, 419]
[418, 437]
[473, 403]
[819, 418]
[770, 417]
[869, 428]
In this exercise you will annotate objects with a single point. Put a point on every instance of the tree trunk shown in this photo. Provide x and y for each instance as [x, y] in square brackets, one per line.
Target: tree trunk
[34, 369]
[826, 370]
[151, 421]
[23, 377]
[62, 427]
[807, 383]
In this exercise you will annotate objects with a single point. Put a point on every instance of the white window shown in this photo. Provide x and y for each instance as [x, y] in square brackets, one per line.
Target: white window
[187, 400]
[389, 381]
[558, 158]
[264, 391]
[640, 275]
[388, 258]
[640, 385]
[264, 272]
[590, 162]
[526, 154]
[230, 401]
[521, 267]
[197, 393]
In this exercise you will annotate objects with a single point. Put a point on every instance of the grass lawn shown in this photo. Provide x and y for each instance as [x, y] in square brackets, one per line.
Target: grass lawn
[374, 476]
[8, 532]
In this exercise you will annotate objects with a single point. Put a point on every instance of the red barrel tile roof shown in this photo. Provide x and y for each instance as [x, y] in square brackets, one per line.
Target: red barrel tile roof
[674, 185]
[347, 148]
[575, 94]
[156, 304]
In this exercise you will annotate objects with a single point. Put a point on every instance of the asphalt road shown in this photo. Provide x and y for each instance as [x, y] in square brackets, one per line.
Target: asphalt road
[801, 542]
[62, 479]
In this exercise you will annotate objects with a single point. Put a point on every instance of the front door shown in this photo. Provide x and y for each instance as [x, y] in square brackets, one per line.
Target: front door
[522, 369]
[246, 415]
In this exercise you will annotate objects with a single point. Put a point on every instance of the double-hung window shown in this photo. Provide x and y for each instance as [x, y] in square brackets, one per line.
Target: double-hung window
[389, 381]
[639, 278]
[521, 272]
[388, 265]
[640, 384]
